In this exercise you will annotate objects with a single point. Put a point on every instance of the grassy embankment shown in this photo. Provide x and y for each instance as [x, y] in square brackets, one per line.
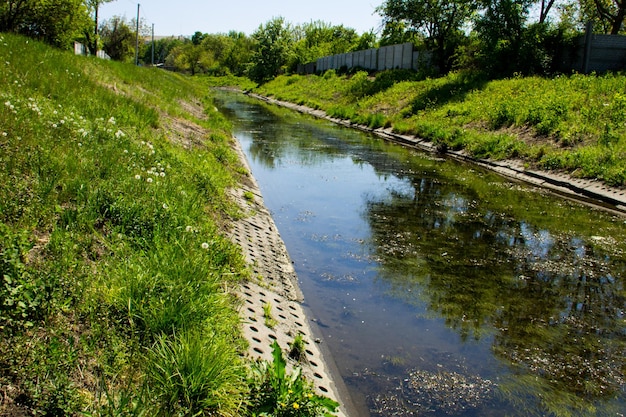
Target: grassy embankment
[115, 276]
[572, 123]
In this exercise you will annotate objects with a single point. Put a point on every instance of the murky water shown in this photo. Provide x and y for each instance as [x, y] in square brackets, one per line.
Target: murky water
[442, 289]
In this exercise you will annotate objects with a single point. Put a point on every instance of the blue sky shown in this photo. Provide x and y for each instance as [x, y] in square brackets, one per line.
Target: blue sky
[184, 17]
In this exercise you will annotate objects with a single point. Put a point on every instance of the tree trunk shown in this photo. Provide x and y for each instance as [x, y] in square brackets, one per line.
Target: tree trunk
[619, 18]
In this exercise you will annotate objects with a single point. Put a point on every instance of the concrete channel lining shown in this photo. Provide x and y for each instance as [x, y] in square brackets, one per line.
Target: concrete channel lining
[274, 286]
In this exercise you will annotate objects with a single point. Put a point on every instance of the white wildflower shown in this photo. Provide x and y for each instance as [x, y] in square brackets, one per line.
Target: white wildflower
[137, 177]
[149, 180]
[119, 134]
[205, 245]
[162, 174]
[165, 206]
[189, 229]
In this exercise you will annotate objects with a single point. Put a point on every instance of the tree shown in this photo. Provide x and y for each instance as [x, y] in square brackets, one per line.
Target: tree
[91, 36]
[607, 16]
[440, 22]
[273, 46]
[198, 37]
[118, 39]
[162, 48]
[56, 22]
[239, 56]
[612, 12]
[190, 58]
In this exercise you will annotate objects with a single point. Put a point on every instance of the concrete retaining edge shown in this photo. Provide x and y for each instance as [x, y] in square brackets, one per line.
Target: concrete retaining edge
[274, 283]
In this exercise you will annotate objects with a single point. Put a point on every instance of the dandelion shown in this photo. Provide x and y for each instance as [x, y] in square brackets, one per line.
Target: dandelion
[162, 174]
[165, 206]
[205, 245]
[137, 177]
[188, 229]
[149, 180]
[296, 406]
[54, 125]
[4, 134]
[112, 120]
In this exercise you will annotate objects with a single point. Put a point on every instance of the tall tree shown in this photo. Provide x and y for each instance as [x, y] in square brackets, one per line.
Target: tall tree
[606, 15]
[439, 21]
[614, 12]
[273, 46]
[546, 6]
[91, 36]
[118, 39]
[57, 22]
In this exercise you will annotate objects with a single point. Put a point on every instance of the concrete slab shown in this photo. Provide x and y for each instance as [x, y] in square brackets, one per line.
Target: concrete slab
[274, 286]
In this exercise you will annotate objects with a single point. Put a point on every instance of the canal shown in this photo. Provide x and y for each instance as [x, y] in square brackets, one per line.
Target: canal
[441, 288]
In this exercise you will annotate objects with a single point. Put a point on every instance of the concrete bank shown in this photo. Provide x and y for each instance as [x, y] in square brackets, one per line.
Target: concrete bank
[274, 283]
[590, 192]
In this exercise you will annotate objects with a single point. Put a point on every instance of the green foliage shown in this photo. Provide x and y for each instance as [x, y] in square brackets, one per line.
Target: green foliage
[57, 23]
[193, 374]
[112, 264]
[118, 39]
[297, 348]
[274, 392]
[270, 321]
[273, 46]
[21, 293]
[439, 22]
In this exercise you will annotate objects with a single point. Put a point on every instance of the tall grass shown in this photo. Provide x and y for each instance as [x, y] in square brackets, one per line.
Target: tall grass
[575, 123]
[114, 290]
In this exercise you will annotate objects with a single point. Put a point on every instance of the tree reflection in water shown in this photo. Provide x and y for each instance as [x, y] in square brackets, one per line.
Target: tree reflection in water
[552, 299]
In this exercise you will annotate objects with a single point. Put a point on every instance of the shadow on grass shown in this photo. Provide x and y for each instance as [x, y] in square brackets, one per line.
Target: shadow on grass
[451, 89]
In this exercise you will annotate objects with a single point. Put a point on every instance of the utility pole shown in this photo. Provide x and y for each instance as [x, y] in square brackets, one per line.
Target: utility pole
[137, 43]
[153, 44]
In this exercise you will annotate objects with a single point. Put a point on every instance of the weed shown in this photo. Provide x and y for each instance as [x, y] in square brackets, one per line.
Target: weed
[270, 321]
[297, 348]
[274, 392]
[249, 196]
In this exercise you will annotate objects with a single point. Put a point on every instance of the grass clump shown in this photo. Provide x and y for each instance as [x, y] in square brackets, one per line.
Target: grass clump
[574, 123]
[275, 392]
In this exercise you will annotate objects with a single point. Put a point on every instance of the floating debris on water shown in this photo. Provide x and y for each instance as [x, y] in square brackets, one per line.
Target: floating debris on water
[443, 392]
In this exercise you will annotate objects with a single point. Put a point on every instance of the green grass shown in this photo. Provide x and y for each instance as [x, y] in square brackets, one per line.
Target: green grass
[116, 276]
[115, 272]
[574, 123]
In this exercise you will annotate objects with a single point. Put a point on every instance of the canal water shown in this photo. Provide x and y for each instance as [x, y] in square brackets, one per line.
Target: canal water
[442, 289]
